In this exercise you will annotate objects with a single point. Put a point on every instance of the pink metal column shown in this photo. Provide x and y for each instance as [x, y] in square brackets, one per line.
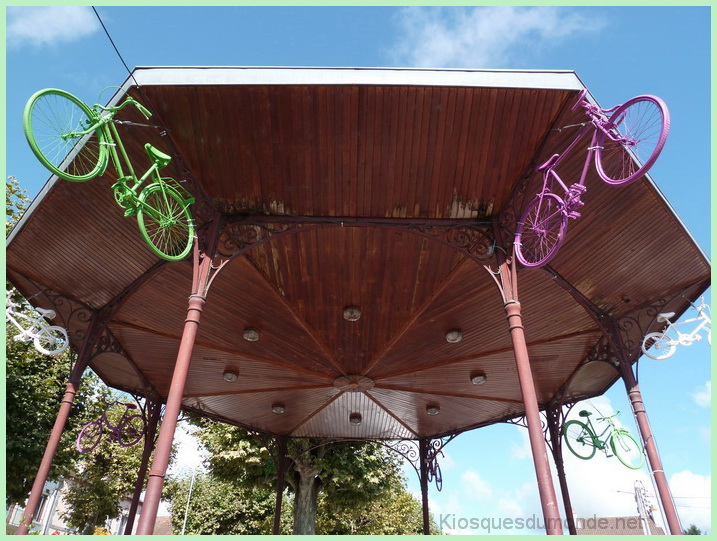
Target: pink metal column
[200, 286]
[653, 457]
[171, 414]
[423, 457]
[548, 500]
[73, 385]
[154, 409]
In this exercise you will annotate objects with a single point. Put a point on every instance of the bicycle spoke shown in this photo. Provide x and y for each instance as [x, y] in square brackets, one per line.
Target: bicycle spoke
[635, 135]
[53, 122]
[165, 221]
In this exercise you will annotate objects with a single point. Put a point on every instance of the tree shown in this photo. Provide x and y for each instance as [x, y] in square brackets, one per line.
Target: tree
[103, 477]
[692, 530]
[219, 507]
[35, 385]
[394, 511]
[343, 475]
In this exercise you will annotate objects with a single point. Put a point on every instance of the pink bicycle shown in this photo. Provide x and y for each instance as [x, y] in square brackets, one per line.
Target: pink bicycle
[626, 141]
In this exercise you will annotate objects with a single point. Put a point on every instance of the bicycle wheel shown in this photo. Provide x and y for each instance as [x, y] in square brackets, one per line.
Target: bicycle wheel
[165, 222]
[541, 230]
[627, 449]
[51, 340]
[639, 128]
[439, 478]
[89, 436]
[580, 439]
[658, 346]
[131, 430]
[51, 120]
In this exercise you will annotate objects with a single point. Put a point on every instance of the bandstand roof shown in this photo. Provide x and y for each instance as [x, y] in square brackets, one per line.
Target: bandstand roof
[379, 188]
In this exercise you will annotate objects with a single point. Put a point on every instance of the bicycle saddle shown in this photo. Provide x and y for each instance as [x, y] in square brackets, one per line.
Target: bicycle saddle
[157, 156]
[49, 314]
[661, 318]
[585, 413]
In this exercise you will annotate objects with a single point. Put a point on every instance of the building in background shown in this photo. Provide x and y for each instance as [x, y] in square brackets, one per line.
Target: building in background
[48, 519]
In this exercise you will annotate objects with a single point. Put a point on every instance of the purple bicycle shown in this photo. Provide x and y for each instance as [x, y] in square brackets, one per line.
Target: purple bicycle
[626, 141]
[129, 429]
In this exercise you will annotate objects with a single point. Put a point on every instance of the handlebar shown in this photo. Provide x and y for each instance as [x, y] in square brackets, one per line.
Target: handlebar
[617, 412]
[143, 109]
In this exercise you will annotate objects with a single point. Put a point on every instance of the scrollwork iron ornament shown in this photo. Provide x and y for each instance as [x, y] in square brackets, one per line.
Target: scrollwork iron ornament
[635, 325]
[602, 352]
[476, 241]
[471, 237]
[237, 237]
[71, 314]
[522, 421]
[408, 449]
[508, 216]
[107, 343]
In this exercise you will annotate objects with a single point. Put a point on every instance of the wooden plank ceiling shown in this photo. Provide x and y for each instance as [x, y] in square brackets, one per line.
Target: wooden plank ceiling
[361, 151]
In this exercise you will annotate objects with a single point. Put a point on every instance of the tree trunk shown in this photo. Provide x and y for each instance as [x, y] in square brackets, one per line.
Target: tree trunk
[306, 499]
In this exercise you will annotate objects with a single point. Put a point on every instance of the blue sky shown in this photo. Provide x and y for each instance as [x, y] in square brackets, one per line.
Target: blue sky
[617, 52]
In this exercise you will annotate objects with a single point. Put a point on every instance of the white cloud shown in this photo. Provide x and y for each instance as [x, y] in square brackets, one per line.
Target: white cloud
[693, 499]
[190, 452]
[522, 450]
[446, 462]
[703, 395]
[41, 26]
[475, 487]
[483, 37]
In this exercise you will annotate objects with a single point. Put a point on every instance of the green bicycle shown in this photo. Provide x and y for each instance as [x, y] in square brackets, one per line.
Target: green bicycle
[583, 441]
[76, 141]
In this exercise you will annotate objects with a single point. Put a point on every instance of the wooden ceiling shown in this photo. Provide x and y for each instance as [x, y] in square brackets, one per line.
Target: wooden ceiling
[383, 149]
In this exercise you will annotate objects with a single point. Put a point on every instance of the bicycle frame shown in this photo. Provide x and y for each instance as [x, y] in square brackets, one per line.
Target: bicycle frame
[37, 322]
[113, 142]
[598, 442]
[688, 338]
[598, 120]
[105, 420]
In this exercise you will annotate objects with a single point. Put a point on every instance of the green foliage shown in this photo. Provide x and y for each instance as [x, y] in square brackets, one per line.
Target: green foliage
[219, 507]
[393, 511]
[358, 487]
[35, 385]
[16, 202]
[104, 476]
[692, 530]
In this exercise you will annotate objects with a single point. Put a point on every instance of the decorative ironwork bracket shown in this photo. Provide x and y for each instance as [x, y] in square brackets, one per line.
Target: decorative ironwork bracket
[474, 238]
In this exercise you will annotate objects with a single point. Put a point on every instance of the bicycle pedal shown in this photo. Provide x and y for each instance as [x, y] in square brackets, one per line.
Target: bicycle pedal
[574, 214]
[130, 212]
[578, 188]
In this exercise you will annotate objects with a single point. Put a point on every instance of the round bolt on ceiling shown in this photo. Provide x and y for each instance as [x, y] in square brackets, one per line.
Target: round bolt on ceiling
[454, 336]
[250, 334]
[353, 383]
[433, 409]
[230, 376]
[278, 408]
[478, 378]
[352, 313]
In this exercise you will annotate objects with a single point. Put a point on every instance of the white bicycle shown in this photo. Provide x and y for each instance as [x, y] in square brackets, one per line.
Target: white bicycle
[661, 345]
[48, 339]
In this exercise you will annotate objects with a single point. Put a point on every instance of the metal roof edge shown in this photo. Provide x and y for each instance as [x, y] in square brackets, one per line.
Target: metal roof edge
[39, 198]
[238, 75]
[679, 221]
